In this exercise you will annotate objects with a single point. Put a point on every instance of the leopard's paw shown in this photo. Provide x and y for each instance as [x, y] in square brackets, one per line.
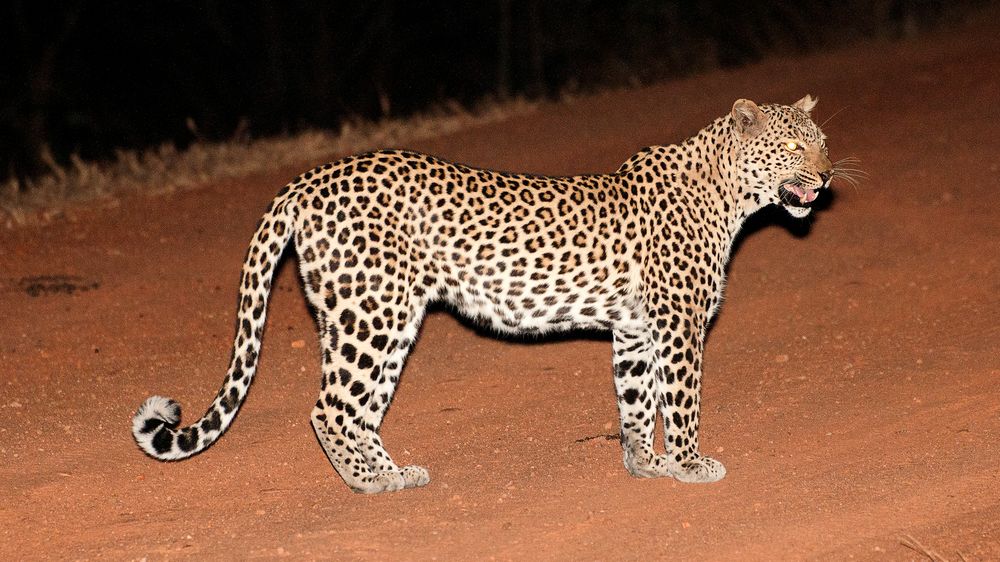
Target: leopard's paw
[415, 476]
[386, 481]
[698, 469]
[651, 466]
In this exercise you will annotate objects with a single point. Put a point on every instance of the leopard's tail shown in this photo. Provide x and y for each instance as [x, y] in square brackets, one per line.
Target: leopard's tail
[155, 424]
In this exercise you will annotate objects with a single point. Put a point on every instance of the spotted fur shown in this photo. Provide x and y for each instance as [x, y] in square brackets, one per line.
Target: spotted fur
[640, 252]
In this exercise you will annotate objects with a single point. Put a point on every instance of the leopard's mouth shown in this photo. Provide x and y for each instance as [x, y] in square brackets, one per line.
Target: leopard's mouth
[794, 194]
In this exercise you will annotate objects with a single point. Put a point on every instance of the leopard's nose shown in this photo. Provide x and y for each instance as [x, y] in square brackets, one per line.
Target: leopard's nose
[825, 176]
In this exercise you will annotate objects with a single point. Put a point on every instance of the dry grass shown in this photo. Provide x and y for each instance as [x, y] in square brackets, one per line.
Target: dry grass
[166, 169]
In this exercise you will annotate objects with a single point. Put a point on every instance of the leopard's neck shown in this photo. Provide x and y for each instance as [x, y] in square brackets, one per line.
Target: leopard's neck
[699, 177]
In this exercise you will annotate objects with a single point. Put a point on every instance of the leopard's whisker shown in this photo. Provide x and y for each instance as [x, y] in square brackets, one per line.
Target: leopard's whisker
[835, 113]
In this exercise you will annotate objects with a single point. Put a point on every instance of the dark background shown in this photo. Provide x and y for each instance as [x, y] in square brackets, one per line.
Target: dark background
[87, 78]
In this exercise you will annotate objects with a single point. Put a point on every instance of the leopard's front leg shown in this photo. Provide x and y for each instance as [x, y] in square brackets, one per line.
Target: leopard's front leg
[634, 360]
[679, 390]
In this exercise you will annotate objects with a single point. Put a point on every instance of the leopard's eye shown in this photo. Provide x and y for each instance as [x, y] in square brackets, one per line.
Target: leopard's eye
[792, 146]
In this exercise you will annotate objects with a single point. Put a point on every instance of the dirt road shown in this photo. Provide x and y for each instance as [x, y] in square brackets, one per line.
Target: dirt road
[851, 378]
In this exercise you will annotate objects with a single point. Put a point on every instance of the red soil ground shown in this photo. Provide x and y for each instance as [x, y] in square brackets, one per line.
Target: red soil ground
[851, 378]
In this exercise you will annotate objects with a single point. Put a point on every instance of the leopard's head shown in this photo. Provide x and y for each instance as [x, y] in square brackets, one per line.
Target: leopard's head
[781, 153]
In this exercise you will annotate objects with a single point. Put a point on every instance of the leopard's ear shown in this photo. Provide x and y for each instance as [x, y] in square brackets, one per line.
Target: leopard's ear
[806, 104]
[748, 119]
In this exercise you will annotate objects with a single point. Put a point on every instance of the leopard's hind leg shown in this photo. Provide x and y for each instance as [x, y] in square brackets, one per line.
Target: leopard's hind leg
[397, 346]
[364, 344]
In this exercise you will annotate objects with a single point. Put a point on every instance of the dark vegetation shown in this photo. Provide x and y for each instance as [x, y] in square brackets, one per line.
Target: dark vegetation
[87, 78]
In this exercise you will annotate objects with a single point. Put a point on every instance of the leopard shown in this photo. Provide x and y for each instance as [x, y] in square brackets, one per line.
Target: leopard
[641, 252]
